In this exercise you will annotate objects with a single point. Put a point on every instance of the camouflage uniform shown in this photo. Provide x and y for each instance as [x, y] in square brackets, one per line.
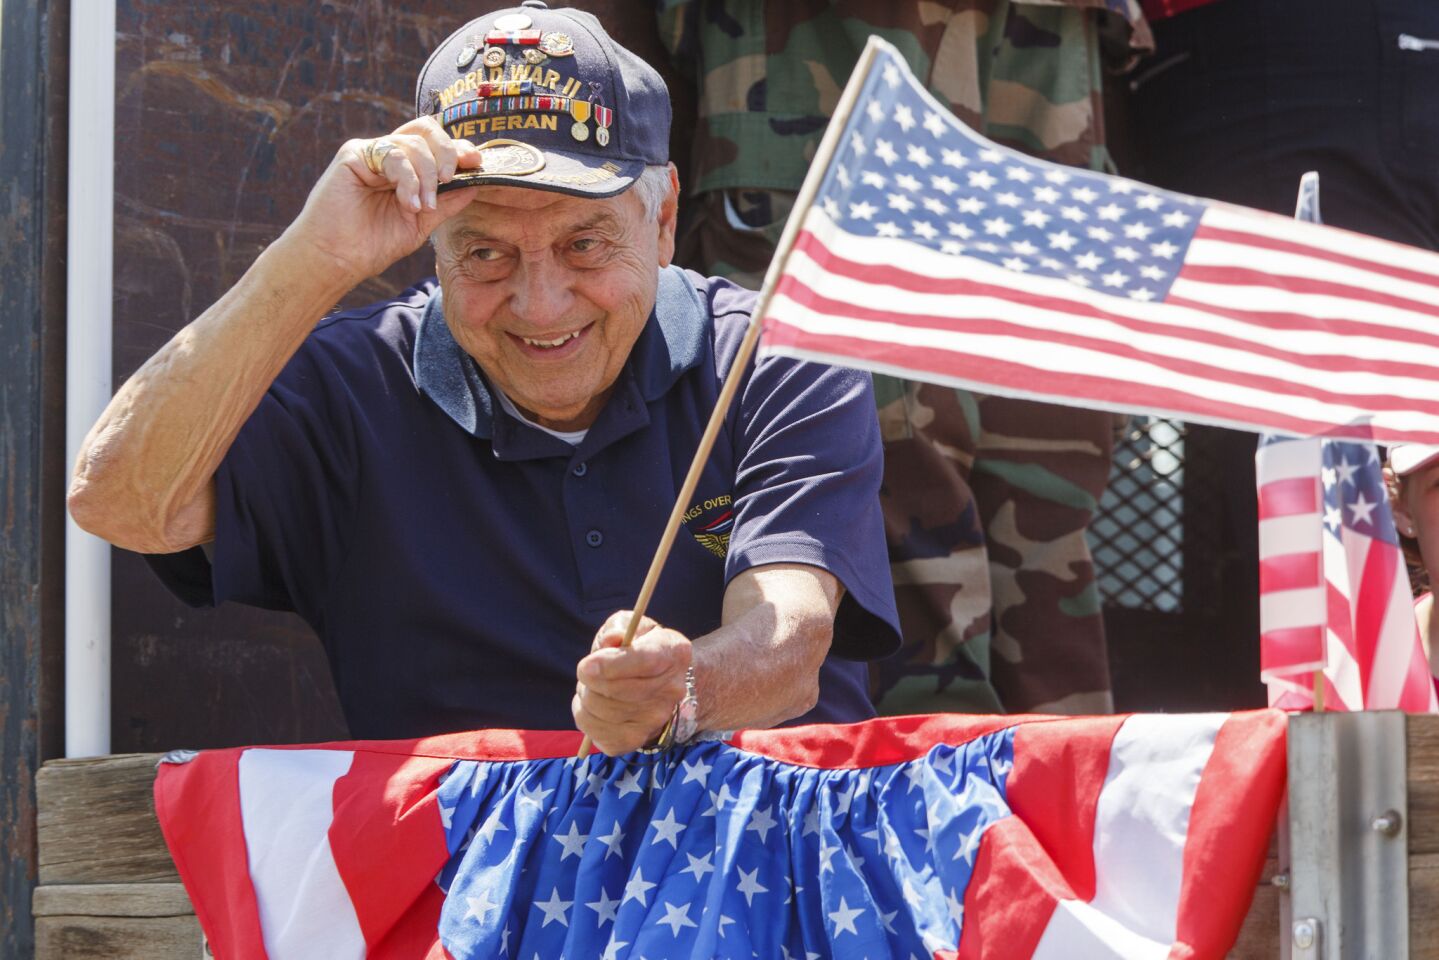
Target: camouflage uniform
[986, 499]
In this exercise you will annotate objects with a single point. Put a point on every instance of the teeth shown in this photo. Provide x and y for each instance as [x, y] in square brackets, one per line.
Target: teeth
[551, 343]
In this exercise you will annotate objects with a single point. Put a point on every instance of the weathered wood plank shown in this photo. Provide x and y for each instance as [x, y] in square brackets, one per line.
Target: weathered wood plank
[97, 822]
[118, 938]
[1424, 906]
[1423, 757]
[112, 900]
[1259, 937]
[33, 45]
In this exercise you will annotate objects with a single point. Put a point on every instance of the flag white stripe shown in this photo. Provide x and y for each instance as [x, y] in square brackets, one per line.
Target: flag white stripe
[1343, 672]
[1281, 536]
[1222, 253]
[975, 384]
[929, 263]
[1290, 460]
[1140, 830]
[1265, 299]
[1287, 609]
[1077, 931]
[1330, 240]
[1066, 359]
[1030, 317]
[286, 804]
[1397, 638]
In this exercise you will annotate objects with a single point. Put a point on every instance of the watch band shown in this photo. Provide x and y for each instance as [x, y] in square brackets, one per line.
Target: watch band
[684, 721]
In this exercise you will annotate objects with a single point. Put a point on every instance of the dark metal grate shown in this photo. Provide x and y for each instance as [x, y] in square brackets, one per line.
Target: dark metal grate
[1137, 537]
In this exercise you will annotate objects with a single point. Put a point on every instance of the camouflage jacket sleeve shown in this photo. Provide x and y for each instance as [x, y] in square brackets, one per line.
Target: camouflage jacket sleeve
[770, 74]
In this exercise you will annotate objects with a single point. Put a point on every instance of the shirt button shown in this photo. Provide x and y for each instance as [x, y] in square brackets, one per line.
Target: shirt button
[580, 469]
[594, 538]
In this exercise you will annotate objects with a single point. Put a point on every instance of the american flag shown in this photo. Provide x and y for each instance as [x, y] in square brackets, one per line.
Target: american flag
[932, 253]
[939, 837]
[1334, 592]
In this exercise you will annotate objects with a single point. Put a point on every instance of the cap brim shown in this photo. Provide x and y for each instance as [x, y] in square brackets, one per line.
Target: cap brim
[560, 172]
[1407, 458]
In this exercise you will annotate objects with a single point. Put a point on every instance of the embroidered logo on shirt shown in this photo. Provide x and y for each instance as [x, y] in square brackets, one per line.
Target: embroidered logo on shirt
[710, 522]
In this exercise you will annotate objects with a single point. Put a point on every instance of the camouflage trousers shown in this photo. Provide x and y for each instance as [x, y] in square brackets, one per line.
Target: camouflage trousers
[986, 503]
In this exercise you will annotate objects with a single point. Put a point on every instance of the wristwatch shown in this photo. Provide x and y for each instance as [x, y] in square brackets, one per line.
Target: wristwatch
[684, 722]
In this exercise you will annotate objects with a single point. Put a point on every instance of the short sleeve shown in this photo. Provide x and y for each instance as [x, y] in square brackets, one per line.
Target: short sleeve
[285, 497]
[808, 469]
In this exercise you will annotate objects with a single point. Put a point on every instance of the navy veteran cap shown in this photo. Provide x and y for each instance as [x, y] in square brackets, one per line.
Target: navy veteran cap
[551, 101]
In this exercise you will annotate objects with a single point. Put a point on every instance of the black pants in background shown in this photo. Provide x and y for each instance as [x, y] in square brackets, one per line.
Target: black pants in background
[1243, 96]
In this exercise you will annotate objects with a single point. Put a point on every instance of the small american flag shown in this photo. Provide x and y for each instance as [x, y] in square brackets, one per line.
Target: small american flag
[1334, 593]
[932, 253]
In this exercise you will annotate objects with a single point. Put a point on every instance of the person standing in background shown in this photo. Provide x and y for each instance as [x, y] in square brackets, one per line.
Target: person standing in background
[1411, 477]
[986, 499]
[1243, 97]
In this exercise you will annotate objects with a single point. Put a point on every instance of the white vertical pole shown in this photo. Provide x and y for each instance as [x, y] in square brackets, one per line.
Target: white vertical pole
[90, 225]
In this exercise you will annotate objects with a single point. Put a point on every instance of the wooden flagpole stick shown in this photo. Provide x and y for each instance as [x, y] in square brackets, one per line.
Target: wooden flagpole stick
[827, 147]
[1306, 208]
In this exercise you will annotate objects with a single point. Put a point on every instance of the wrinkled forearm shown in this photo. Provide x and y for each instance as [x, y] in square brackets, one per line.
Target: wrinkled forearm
[143, 479]
[762, 666]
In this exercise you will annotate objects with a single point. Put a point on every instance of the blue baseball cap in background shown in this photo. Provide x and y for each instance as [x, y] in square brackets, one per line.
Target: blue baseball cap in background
[551, 101]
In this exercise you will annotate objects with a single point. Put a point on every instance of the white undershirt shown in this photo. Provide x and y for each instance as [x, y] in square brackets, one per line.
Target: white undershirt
[572, 437]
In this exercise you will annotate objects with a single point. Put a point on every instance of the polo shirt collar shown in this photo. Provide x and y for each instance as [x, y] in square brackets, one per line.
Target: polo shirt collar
[671, 343]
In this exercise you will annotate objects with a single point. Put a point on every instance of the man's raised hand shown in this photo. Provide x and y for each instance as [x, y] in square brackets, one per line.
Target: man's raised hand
[363, 218]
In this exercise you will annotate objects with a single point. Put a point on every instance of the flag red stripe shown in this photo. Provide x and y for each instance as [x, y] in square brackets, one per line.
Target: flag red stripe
[1248, 239]
[1011, 894]
[387, 829]
[944, 285]
[1418, 695]
[805, 296]
[1291, 571]
[1217, 886]
[1376, 585]
[1290, 649]
[1302, 322]
[1337, 617]
[198, 806]
[1286, 498]
[1069, 761]
[1073, 388]
[1244, 277]
[871, 743]
[416, 935]
[893, 276]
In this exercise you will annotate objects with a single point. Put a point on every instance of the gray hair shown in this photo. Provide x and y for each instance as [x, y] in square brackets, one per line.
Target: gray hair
[653, 187]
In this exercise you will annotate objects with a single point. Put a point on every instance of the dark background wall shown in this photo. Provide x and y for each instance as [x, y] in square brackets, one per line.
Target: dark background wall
[33, 40]
[226, 112]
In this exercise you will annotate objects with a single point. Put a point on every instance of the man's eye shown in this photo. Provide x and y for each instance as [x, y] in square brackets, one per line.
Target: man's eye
[486, 254]
[585, 244]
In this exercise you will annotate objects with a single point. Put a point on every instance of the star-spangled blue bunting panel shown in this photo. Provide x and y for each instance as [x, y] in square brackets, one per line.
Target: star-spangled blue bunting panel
[722, 854]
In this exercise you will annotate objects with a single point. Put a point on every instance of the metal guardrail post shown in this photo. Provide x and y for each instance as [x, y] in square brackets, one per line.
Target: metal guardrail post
[1349, 842]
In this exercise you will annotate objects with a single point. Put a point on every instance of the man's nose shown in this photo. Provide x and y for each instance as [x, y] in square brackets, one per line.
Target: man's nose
[542, 294]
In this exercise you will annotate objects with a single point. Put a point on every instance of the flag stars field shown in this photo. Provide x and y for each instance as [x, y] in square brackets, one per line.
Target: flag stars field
[556, 909]
[843, 918]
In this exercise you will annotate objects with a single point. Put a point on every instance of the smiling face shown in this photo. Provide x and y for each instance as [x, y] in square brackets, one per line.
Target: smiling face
[548, 292]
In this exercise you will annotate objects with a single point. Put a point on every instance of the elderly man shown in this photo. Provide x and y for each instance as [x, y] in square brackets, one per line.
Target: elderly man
[459, 487]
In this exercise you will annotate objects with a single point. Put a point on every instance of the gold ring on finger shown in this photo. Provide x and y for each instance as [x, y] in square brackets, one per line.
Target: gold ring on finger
[375, 153]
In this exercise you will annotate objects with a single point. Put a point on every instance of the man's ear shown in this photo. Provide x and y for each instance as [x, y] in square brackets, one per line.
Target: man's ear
[668, 219]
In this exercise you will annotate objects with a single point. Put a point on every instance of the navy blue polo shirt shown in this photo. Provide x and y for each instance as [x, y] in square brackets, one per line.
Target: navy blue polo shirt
[456, 562]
